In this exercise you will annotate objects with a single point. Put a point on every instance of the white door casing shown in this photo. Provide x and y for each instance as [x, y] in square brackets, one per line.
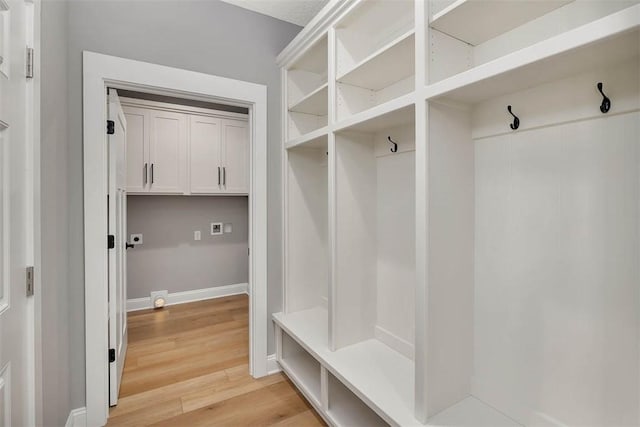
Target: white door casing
[117, 203]
[17, 363]
[235, 142]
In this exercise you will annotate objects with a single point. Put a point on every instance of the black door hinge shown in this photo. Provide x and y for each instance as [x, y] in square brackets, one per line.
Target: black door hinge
[111, 127]
[112, 355]
[111, 241]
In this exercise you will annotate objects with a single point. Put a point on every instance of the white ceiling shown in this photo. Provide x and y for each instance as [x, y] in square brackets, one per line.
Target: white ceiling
[298, 12]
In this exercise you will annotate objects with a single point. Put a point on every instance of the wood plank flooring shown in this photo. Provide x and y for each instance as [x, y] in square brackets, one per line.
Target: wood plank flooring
[187, 365]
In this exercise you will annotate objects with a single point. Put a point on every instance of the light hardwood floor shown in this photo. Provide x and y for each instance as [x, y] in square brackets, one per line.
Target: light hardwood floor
[187, 365]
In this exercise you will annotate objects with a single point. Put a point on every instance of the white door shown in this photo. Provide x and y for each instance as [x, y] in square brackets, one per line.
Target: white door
[137, 149]
[167, 150]
[205, 163]
[235, 173]
[16, 217]
[117, 253]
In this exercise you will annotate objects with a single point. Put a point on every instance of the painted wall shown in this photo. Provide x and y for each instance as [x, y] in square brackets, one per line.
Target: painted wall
[56, 349]
[169, 257]
[205, 36]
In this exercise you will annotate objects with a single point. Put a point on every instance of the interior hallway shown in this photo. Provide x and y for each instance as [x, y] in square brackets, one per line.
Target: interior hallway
[187, 365]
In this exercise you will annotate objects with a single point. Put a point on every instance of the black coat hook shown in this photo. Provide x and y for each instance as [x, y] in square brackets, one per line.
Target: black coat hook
[394, 149]
[516, 121]
[606, 102]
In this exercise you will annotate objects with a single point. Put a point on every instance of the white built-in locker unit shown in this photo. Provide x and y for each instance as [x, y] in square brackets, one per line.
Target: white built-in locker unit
[462, 213]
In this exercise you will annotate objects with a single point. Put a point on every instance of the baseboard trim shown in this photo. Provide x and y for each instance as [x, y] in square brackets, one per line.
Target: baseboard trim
[401, 346]
[273, 367]
[77, 418]
[136, 304]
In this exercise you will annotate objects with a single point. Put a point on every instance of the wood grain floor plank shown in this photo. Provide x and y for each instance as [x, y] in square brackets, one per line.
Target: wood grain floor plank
[188, 365]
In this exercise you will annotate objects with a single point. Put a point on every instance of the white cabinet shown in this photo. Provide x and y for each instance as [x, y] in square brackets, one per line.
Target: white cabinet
[188, 151]
[219, 159]
[167, 152]
[235, 157]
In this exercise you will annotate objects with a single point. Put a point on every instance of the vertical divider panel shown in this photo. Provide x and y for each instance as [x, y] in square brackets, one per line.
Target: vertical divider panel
[331, 185]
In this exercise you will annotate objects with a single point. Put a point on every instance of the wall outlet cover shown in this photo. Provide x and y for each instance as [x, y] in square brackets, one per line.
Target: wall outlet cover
[136, 239]
[216, 228]
[228, 228]
[197, 235]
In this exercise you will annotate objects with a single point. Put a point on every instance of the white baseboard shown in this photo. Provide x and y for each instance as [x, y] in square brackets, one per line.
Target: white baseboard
[273, 367]
[190, 296]
[77, 418]
[401, 346]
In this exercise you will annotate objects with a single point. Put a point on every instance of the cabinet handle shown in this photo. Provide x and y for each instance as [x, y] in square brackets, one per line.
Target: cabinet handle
[152, 177]
[224, 175]
[144, 175]
[218, 175]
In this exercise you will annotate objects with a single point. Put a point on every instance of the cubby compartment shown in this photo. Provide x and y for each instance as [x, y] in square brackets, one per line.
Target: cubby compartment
[306, 227]
[534, 304]
[301, 367]
[375, 55]
[307, 91]
[346, 409]
[487, 36]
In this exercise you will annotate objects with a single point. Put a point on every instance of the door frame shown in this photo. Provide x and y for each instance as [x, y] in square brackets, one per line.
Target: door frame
[102, 71]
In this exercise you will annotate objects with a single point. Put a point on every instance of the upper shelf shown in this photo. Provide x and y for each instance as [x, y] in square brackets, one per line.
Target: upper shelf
[606, 41]
[313, 103]
[314, 59]
[391, 63]
[475, 22]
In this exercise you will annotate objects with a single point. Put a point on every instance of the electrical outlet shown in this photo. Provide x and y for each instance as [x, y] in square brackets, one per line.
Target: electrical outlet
[228, 228]
[136, 239]
[197, 235]
[216, 228]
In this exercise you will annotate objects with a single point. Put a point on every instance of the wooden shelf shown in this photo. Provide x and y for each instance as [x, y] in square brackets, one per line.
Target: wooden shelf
[605, 41]
[312, 139]
[315, 103]
[475, 22]
[381, 377]
[398, 112]
[387, 65]
[471, 412]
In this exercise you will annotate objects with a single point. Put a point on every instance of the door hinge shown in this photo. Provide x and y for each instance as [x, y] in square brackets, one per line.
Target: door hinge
[29, 70]
[111, 241]
[30, 280]
[112, 355]
[111, 127]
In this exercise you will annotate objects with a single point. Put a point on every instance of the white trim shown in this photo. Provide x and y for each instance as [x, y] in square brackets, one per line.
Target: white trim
[136, 304]
[273, 367]
[77, 418]
[401, 346]
[100, 71]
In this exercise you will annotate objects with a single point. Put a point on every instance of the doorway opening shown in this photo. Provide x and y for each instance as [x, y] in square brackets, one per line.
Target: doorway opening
[243, 106]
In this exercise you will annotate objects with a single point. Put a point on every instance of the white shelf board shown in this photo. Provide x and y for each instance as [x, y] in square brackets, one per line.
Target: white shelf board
[378, 375]
[305, 372]
[315, 103]
[392, 113]
[471, 412]
[316, 139]
[608, 40]
[389, 64]
[475, 22]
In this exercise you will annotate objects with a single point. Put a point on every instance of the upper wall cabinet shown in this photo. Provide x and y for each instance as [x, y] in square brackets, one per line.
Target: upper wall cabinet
[179, 151]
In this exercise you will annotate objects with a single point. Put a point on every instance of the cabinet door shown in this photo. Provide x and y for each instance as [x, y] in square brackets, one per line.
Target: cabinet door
[137, 149]
[205, 160]
[235, 145]
[167, 169]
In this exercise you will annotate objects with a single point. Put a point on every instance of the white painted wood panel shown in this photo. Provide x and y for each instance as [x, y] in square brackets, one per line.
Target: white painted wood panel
[307, 261]
[557, 246]
[167, 152]
[137, 143]
[236, 167]
[205, 155]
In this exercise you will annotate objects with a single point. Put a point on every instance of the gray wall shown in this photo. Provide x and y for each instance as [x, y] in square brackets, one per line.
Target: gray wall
[205, 36]
[56, 369]
[169, 257]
